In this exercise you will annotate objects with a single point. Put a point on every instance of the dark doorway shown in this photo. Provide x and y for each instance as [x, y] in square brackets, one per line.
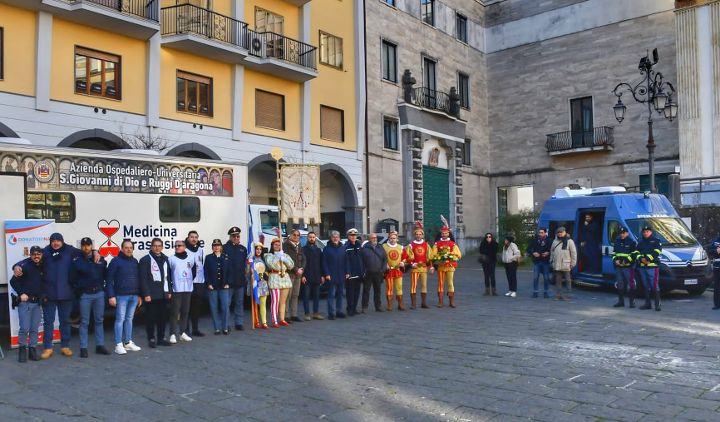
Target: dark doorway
[589, 238]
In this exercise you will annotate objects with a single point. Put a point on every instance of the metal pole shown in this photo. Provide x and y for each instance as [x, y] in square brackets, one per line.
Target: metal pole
[279, 200]
[651, 139]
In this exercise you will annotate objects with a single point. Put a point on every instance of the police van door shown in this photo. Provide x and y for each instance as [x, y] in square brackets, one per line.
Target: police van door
[12, 198]
[590, 224]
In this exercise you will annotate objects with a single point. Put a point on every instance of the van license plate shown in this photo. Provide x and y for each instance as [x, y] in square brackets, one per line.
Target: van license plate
[690, 281]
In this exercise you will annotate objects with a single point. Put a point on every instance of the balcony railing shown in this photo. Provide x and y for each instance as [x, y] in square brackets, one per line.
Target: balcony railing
[191, 19]
[598, 138]
[272, 45]
[431, 99]
[146, 9]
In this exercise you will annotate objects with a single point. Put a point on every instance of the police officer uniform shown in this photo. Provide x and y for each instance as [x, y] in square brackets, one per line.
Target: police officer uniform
[623, 259]
[217, 280]
[647, 256]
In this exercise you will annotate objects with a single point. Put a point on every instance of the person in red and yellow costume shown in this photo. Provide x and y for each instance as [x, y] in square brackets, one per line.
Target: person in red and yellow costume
[446, 254]
[393, 273]
[418, 256]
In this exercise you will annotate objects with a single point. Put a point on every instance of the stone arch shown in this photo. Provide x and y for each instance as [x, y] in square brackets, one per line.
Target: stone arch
[351, 198]
[6, 132]
[338, 201]
[193, 150]
[94, 139]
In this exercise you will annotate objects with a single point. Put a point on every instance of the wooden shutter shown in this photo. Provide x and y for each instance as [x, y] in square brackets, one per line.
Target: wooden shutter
[331, 124]
[269, 110]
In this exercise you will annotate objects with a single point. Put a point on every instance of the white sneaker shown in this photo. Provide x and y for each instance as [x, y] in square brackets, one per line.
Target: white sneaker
[513, 294]
[185, 337]
[119, 349]
[172, 340]
[132, 347]
[508, 293]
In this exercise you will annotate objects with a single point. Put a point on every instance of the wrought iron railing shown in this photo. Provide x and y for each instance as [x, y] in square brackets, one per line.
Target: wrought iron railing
[191, 19]
[147, 9]
[272, 45]
[431, 99]
[565, 141]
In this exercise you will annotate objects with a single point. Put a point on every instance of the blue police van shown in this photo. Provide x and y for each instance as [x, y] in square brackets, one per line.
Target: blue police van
[593, 217]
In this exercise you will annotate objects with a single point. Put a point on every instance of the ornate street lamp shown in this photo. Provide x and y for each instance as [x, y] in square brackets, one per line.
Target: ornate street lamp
[656, 93]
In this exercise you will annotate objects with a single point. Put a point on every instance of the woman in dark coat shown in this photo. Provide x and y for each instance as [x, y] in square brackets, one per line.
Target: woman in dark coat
[488, 258]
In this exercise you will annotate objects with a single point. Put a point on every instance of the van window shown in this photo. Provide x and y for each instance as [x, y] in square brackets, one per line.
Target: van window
[670, 231]
[55, 205]
[613, 230]
[569, 227]
[179, 209]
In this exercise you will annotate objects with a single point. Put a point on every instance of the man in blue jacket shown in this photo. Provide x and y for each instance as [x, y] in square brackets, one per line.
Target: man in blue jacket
[623, 260]
[312, 277]
[88, 279]
[354, 269]
[333, 261]
[715, 253]
[123, 290]
[374, 264]
[539, 250]
[647, 256]
[30, 290]
[238, 263]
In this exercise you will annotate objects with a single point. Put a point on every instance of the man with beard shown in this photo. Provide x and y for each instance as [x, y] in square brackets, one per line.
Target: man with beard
[196, 251]
[292, 248]
[374, 263]
[156, 289]
[312, 277]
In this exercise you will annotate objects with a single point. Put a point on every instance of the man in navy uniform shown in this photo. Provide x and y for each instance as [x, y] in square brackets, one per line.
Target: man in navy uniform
[88, 279]
[622, 257]
[647, 256]
[238, 262]
[715, 252]
[30, 290]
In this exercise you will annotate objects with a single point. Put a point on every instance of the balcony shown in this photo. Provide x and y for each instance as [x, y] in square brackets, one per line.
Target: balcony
[281, 56]
[203, 32]
[431, 99]
[431, 111]
[134, 18]
[571, 142]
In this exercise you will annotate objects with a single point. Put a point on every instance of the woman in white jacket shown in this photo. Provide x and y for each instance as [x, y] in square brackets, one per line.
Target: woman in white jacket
[511, 258]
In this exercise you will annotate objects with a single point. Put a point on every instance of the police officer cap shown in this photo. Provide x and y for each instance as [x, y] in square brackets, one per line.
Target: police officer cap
[216, 242]
[234, 230]
[646, 227]
[86, 241]
[352, 231]
[623, 230]
[35, 249]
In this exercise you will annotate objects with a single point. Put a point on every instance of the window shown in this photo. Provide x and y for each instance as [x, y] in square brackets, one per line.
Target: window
[427, 11]
[269, 110]
[390, 133]
[662, 183]
[332, 125]
[266, 21]
[2, 54]
[194, 93]
[97, 73]
[58, 206]
[613, 230]
[389, 2]
[464, 90]
[581, 121]
[331, 50]
[179, 209]
[461, 29]
[466, 153]
[389, 61]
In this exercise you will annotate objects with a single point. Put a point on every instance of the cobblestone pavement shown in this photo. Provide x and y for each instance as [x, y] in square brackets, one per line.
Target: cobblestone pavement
[492, 358]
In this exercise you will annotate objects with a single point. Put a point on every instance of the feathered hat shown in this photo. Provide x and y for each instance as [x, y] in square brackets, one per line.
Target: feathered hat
[446, 226]
[419, 227]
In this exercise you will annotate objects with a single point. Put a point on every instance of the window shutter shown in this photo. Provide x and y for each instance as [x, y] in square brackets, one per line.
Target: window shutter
[331, 124]
[269, 110]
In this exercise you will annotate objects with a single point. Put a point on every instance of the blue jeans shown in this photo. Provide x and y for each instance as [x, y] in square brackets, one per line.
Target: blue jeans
[543, 268]
[95, 303]
[124, 313]
[649, 277]
[311, 289]
[335, 296]
[238, 300]
[29, 318]
[63, 309]
[220, 316]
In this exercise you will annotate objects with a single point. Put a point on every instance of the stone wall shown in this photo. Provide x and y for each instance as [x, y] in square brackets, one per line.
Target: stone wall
[511, 10]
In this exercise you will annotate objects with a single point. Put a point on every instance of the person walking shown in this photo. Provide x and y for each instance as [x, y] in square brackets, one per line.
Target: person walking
[182, 268]
[30, 290]
[539, 250]
[294, 250]
[312, 278]
[355, 271]
[156, 290]
[258, 266]
[194, 248]
[647, 257]
[563, 258]
[511, 259]
[123, 291]
[488, 258]
[238, 255]
[88, 279]
[279, 264]
[715, 253]
[374, 263]
[334, 271]
[623, 259]
[218, 276]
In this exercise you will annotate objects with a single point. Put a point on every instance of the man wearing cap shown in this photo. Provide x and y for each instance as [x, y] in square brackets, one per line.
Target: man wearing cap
[374, 263]
[622, 258]
[647, 257]
[563, 258]
[418, 254]
[355, 270]
[291, 246]
[88, 279]
[30, 290]
[218, 275]
[446, 254]
[394, 270]
[238, 255]
[194, 249]
[156, 290]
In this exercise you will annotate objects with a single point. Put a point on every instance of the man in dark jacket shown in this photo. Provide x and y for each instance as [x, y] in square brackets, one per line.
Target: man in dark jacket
[354, 269]
[292, 247]
[194, 248]
[238, 255]
[30, 290]
[156, 290]
[590, 237]
[374, 264]
[218, 276]
[123, 291]
[312, 277]
[333, 262]
[647, 256]
[539, 250]
[715, 254]
[623, 259]
[88, 279]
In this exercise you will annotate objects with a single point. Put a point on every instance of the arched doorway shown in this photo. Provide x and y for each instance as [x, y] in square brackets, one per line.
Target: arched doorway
[6, 132]
[193, 150]
[436, 186]
[96, 139]
[262, 181]
[338, 201]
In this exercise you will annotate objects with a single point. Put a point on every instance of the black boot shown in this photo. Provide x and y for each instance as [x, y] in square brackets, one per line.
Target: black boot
[657, 300]
[621, 300]
[631, 298]
[32, 354]
[647, 301]
[22, 354]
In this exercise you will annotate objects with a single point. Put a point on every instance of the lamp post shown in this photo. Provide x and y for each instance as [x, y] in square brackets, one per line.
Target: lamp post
[656, 93]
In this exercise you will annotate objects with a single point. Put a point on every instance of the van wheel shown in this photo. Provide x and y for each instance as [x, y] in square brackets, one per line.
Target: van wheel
[696, 291]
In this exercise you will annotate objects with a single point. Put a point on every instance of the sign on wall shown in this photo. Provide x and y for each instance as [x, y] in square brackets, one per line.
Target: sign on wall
[300, 190]
[54, 172]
